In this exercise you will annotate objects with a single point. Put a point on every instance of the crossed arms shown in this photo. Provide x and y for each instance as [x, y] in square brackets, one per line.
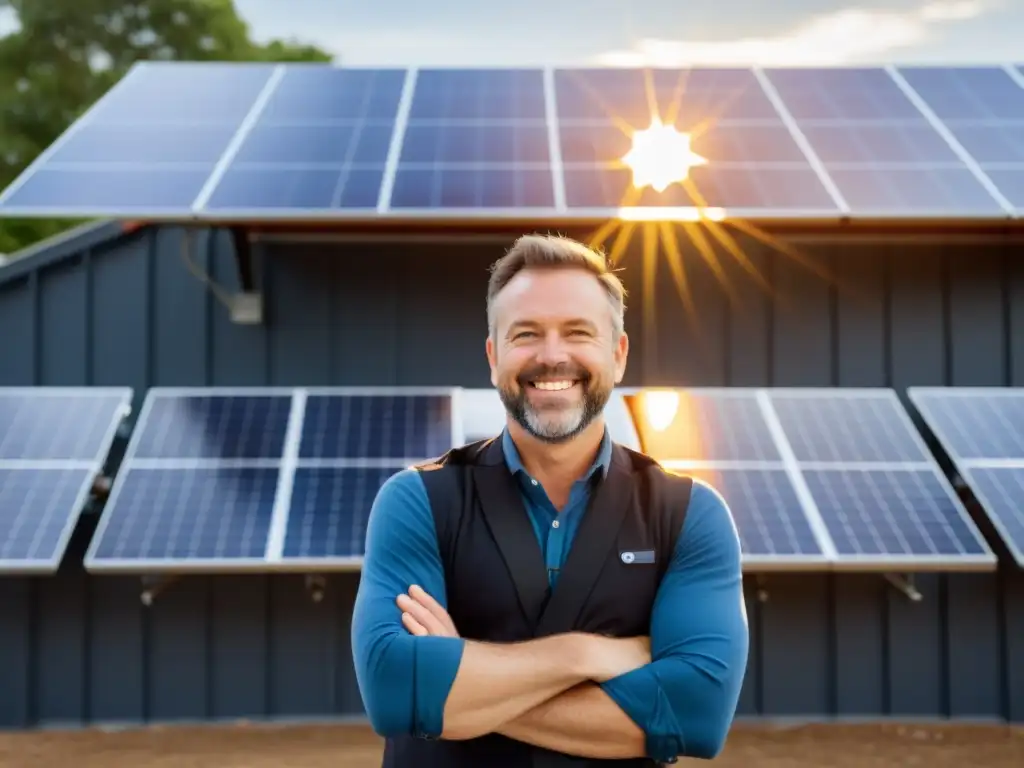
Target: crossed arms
[575, 693]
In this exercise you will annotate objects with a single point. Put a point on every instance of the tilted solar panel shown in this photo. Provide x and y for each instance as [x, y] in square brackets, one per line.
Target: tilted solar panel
[981, 429]
[869, 477]
[53, 443]
[883, 154]
[249, 479]
[983, 109]
[226, 142]
[721, 436]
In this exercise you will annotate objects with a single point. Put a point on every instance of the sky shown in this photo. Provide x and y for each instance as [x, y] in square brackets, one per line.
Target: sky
[666, 33]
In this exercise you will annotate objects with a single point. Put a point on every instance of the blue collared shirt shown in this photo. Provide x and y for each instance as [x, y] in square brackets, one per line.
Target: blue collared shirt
[684, 700]
[555, 530]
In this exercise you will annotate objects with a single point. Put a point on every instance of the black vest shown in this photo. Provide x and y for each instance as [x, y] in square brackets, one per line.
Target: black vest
[497, 581]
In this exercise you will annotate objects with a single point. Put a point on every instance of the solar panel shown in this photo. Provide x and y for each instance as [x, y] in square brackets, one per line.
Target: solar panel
[476, 139]
[981, 429]
[147, 147]
[983, 108]
[320, 142]
[884, 153]
[329, 512]
[262, 479]
[847, 427]
[880, 495]
[755, 166]
[238, 141]
[53, 443]
[721, 436]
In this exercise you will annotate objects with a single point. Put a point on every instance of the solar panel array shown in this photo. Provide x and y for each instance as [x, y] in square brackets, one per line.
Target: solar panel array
[982, 432]
[233, 480]
[53, 443]
[834, 476]
[217, 480]
[212, 141]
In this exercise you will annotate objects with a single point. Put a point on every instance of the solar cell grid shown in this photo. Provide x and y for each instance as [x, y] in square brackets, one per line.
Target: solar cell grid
[890, 516]
[884, 155]
[1000, 490]
[320, 142]
[69, 426]
[213, 427]
[983, 108]
[710, 427]
[881, 497]
[754, 162]
[847, 428]
[362, 427]
[149, 145]
[981, 430]
[770, 520]
[38, 510]
[475, 139]
[329, 510]
[53, 443]
[188, 515]
[975, 425]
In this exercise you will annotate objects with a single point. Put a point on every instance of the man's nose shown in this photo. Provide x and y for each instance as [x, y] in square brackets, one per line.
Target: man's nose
[553, 350]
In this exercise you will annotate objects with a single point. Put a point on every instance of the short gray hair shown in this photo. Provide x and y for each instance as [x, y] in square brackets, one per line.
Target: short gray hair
[556, 252]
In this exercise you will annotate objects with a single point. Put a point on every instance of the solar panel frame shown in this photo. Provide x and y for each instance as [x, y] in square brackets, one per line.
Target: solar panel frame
[92, 467]
[275, 557]
[755, 562]
[272, 558]
[890, 563]
[923, 399]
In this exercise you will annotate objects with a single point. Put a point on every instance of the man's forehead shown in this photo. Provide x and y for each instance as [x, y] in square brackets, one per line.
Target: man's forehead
[543, 299]
[541, 285]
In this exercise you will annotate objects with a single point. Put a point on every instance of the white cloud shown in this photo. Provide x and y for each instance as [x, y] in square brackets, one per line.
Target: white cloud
[846, 36]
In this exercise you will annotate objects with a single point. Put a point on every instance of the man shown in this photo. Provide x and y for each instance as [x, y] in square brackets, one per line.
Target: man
[548, 597]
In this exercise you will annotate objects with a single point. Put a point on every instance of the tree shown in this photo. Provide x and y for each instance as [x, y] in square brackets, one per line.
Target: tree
[66, 53]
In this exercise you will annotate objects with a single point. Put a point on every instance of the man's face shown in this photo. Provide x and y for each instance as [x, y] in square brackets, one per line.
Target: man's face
[554, 355]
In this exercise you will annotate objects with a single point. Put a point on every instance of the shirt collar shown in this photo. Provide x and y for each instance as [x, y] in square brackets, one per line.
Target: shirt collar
[601, 463]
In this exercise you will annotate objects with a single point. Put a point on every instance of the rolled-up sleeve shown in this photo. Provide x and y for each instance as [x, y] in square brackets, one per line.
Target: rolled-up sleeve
[403, 680]
[685, 699]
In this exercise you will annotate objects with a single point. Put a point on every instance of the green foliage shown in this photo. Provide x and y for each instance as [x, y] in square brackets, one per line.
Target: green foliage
[67, 53]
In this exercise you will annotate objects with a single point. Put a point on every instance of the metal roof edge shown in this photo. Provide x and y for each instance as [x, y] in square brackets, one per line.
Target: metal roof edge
[63, 246]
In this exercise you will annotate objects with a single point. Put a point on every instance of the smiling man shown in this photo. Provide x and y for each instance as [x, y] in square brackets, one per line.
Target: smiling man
[549, 597]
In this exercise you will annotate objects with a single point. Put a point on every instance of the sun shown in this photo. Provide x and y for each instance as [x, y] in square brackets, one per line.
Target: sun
[660, 156]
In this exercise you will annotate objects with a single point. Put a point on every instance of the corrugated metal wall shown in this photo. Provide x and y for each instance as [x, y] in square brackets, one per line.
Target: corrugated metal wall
[75, 649]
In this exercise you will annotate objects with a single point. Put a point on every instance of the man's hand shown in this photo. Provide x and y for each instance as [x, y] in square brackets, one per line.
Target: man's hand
[423, 616]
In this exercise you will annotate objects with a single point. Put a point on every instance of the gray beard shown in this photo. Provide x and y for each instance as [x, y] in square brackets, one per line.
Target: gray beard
[556, 427]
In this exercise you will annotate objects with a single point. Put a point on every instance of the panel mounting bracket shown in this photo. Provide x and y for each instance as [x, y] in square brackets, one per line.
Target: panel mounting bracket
[247, 303]
[153, 585]
[905, 584]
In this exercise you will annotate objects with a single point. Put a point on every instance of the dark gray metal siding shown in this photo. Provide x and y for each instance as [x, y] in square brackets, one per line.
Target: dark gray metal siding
[79, 649]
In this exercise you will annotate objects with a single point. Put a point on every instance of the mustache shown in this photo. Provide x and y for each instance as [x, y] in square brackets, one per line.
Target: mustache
[558, 371]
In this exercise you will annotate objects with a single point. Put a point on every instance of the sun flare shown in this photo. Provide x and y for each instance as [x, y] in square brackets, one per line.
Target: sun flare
[661, 156]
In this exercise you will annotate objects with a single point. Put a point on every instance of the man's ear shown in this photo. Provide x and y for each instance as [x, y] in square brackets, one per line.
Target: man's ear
[492, 359]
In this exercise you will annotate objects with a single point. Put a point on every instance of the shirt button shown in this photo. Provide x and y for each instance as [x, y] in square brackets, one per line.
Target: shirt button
[533, 481]
[554, 524]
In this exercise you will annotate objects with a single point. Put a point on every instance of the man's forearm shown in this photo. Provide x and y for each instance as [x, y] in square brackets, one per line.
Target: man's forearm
[583, 721]
[498, 683]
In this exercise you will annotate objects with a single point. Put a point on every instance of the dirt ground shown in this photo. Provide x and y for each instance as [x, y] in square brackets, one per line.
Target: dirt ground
[251, 746]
